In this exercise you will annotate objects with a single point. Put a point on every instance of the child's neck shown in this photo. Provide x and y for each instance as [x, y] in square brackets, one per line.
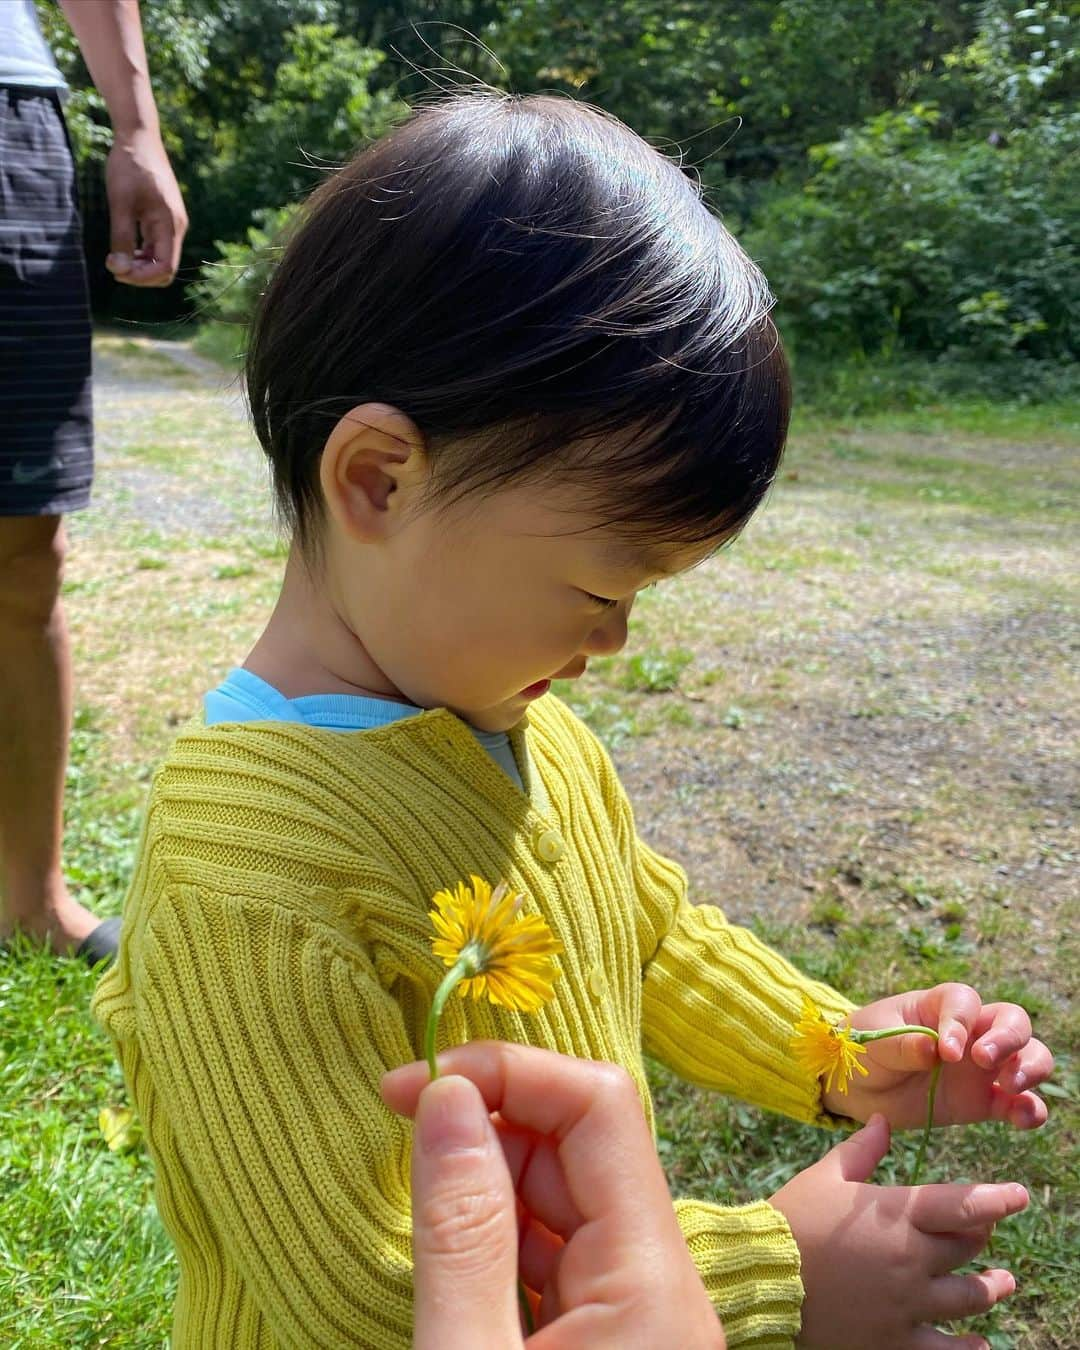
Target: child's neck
[307, 648]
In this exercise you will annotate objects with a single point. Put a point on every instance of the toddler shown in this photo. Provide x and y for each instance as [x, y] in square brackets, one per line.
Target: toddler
[509, 371]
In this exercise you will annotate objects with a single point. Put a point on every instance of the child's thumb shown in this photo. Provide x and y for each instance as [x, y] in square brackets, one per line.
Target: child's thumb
[465, 1238]
[858, 1156]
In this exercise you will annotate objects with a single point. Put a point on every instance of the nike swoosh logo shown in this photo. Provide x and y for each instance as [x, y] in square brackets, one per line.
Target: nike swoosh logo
[24, 473]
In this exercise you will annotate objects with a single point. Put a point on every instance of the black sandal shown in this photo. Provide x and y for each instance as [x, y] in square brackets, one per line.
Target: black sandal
[101, 944]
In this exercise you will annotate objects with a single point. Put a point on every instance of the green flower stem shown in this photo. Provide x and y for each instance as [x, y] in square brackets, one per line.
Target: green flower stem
[865, 1037]
[464, 968]
[920, 1157]
[526, 1308]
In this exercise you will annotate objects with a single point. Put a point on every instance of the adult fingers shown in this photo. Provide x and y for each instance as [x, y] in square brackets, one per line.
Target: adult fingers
[539, 1254]
[954, 1208]
[628, 1253]
[591, 1110]
[953, 1297]
[538, 1177]
[465, 1238]
[144, 269]
[162, 236]
[122, 221]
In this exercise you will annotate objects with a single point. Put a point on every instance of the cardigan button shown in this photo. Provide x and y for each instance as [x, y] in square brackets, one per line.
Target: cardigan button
[597, 983]
[550, 846]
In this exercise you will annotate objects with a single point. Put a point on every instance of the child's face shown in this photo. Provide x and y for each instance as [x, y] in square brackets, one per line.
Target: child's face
[477, 606]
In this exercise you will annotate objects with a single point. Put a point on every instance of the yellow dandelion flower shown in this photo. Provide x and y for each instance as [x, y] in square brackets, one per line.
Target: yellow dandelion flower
[827, 1050]
[508, 954]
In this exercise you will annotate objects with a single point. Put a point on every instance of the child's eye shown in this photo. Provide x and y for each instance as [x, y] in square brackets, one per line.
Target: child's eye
[604, 603]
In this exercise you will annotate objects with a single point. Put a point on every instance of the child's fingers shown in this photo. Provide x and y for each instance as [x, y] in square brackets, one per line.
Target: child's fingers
[856, 1157]
[1027, 1112]
[1029, 1067]
[950, 1251]
[953, 1297]
[1023, 1112]
[955, 1209]
[929, 1338]
[1008, 1031]
[953, 1012]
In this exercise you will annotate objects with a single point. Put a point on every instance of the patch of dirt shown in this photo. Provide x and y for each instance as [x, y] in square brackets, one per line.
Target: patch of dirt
[898, 734]
[137, 379]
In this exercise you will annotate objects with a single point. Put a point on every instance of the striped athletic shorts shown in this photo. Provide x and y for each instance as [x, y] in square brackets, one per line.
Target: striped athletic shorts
[46, 418]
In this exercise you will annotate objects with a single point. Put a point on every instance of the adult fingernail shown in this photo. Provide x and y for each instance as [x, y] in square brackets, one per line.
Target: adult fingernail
[451, 1117]
[1020, 1082]
[118, 262]
[989, 1050]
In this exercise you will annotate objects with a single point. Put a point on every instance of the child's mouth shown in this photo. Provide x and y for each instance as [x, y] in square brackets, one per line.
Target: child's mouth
[535, 690]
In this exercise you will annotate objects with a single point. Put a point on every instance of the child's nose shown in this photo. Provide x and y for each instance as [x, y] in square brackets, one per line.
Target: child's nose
[609, 634]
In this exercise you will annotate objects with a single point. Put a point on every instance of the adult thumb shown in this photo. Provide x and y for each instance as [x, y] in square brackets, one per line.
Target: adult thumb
[465, 1238]
[860, 1153]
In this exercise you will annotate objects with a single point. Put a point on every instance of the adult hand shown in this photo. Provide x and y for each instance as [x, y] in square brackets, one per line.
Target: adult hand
[569, 1151]
[143, 193]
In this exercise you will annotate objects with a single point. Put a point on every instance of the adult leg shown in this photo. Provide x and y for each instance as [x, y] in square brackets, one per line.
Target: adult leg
[35, 718]
[46, 466]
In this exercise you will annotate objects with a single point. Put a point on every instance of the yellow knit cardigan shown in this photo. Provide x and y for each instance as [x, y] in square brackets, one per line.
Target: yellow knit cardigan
[276, 959]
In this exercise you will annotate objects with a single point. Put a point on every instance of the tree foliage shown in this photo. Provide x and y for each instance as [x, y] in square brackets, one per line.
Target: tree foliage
[901, 167]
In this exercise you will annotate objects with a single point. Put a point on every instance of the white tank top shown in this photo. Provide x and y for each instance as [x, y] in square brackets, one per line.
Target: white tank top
[24, 55]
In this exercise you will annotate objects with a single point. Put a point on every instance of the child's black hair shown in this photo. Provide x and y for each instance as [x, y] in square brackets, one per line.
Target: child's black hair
[548, 298]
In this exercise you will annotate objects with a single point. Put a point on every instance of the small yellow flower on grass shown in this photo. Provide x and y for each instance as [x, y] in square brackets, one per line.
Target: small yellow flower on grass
[507, 955]
[825, 1049]
[119, 1128]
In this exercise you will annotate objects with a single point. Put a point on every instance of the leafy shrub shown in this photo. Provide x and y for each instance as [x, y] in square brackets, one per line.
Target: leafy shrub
[907, 381]
[898, 241]
[229, 288]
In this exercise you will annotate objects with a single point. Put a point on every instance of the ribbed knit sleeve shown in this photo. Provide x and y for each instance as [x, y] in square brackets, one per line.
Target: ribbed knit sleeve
[719, 1008]
[266, 1042]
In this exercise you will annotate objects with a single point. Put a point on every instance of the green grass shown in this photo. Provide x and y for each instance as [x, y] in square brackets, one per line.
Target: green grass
[854, 729]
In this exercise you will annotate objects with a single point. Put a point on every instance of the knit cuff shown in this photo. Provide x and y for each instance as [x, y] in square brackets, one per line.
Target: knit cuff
[749, 1263]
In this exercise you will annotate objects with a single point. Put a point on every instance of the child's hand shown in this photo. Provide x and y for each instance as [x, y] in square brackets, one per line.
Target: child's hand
[990, 1061]
[876, 1259]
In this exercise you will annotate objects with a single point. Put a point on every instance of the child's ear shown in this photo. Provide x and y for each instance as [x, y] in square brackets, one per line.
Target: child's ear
[373, 451]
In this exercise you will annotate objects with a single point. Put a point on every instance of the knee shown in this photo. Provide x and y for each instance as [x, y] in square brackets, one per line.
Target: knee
[32, 553]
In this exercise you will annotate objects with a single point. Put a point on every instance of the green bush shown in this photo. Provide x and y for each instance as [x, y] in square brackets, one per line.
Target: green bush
[905, 381]
[898, 241]
[228, 288]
